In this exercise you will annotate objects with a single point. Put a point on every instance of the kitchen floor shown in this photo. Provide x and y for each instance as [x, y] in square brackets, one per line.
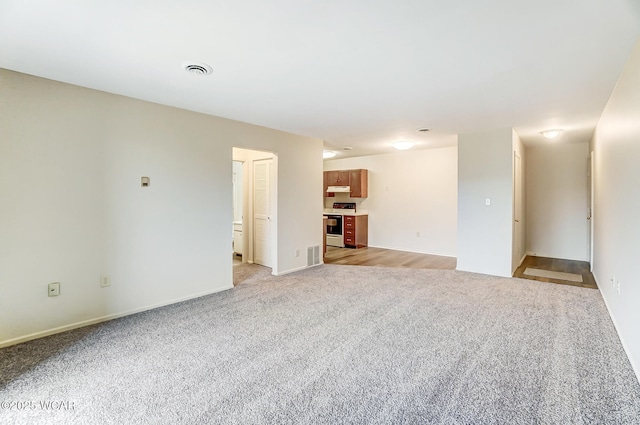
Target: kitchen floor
[387, 258]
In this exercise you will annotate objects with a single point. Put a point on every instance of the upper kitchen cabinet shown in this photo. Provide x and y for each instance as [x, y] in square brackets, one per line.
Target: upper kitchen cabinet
[356, 180]
[337, 178]
[359, 183]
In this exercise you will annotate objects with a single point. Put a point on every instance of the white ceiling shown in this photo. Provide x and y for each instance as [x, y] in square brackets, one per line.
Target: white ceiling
[351, 72]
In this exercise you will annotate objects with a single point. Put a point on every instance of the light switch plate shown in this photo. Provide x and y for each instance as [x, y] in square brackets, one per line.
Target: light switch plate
[54, 289]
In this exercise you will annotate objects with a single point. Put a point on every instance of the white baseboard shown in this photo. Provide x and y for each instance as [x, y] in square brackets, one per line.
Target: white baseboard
[297, 269]
[412, 251]
[101, 319]
[634, 364]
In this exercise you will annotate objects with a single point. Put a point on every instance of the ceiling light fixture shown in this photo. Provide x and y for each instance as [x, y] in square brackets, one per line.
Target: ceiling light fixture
[348, 148]
[198, 68]
[550, 134]
[328, 154]
[402, 145]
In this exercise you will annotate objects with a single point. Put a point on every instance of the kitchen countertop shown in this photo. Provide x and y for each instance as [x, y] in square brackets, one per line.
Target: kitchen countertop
[329, 211]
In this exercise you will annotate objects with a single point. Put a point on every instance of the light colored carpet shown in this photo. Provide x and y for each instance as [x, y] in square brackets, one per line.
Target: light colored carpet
[339, 345]
[571, 277]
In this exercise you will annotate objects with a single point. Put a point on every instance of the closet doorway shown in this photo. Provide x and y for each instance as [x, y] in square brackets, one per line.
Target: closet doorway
[255, 207]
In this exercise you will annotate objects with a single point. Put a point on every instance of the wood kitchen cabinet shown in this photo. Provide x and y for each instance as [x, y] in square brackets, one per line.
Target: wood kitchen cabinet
[324, 236]
[356, 231]
[357, 180]
[325, 185]
[337, 178]
[359, 183]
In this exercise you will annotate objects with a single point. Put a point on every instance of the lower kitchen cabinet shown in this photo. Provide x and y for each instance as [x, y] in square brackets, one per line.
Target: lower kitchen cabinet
[356, 231]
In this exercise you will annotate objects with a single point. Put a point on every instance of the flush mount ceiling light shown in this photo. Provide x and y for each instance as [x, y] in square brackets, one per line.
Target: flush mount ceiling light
[550, 134]
[328, 154]
[402, 145]
[198, 68]
[348, 148]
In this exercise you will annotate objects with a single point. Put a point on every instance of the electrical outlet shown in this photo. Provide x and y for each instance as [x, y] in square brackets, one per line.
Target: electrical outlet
[54, 289]
[105, 281]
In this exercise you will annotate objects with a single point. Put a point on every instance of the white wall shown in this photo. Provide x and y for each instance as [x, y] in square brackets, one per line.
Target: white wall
[72, 209]
[557, 200]
[485, 170]
[616, 146]
[409, 192]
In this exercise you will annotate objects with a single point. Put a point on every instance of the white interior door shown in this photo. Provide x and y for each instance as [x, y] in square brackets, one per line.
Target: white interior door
[518, 230]
[262, 212]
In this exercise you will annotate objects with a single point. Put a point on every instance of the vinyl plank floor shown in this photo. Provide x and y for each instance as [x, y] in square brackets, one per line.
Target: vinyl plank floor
[370, 256]
[558, 265]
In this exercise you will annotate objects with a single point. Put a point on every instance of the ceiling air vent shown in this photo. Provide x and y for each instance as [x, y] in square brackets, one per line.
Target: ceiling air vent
[198, 68]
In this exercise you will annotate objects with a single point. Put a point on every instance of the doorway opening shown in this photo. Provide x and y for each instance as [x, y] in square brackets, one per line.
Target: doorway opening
[238, 202]
[518, 240]
[254, 183]
[558, 214]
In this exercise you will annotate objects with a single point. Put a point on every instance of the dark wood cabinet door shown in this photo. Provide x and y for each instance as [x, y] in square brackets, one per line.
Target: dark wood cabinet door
[356, 231]
[337, 178]
[358, 180]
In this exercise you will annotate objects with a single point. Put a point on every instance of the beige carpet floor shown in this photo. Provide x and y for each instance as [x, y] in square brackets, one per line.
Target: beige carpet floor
[337, 345]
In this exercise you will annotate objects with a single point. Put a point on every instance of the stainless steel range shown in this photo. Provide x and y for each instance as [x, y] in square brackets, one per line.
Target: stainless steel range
[335, 227]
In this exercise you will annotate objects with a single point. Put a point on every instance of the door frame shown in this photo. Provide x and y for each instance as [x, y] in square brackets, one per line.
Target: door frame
[591, 206]
[248, 156]
[518, 248]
